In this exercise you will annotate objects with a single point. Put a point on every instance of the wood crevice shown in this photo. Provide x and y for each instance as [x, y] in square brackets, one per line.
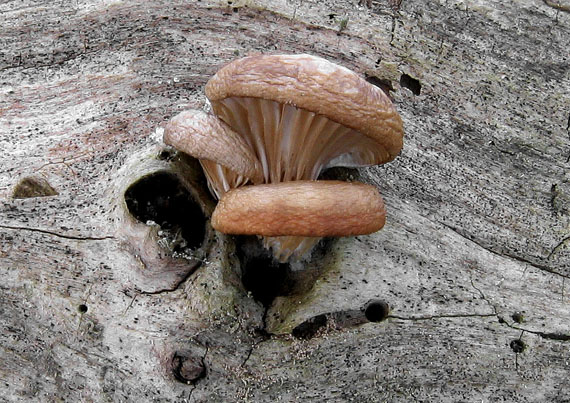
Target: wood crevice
[57, 234]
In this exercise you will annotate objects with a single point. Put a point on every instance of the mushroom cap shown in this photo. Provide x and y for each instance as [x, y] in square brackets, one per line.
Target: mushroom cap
[301, 208]
[206, 137]
[316, 85]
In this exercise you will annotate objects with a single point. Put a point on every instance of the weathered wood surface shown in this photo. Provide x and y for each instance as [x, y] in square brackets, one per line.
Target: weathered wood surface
[473, 260]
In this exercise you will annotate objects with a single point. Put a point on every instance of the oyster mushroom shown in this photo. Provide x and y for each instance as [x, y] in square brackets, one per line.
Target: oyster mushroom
[297, 115]
[227, 160]
[302, 114]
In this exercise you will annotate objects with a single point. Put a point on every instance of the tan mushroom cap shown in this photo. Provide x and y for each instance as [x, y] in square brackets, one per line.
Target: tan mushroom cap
[316, 85]
[206, 137]
[301, 208]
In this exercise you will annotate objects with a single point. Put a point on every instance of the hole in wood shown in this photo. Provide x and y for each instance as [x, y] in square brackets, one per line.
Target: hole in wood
[410, 83]
[264, 278]
[517, 345]
[33, 186]
[160, 198]
[518, 317]
[188, 368]
[376, 310]
[383, 84]
[166, 155]
[309, 328]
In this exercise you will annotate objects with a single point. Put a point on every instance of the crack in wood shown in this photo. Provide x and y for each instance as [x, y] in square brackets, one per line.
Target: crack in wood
[53, 63]
[263, 337]
[393, 31]
[502, 320]
[511, 153]
[524, 150]
[253, 346]
[43, 231]
[175, 287]
[544, 335]
[556, 4]
[553, 195]
[538, 266]
[559, 246]
[483, 296]
[568, 130]
[553, 336]
[443, 316]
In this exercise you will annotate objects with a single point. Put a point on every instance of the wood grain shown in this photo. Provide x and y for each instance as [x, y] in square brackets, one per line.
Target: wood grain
[477, 237]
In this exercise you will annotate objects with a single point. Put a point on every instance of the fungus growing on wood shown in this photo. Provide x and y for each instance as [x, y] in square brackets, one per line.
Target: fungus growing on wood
[301, 208]
[302, 114]
[296, 115]
[227, 160]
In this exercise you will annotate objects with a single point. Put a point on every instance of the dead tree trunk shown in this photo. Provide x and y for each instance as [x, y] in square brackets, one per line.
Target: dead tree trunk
[100, 299]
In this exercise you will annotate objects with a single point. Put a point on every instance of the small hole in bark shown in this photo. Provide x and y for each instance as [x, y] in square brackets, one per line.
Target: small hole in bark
[384, 85]
[410, 83]
[517, 345]
[166, 155]
[82, 308]
[162, 199]
[33, 186]
[309, 328]
[518, 317]
[187, 368]
[376, 310]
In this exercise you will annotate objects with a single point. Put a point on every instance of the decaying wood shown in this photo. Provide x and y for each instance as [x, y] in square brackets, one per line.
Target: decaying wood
[474, 260]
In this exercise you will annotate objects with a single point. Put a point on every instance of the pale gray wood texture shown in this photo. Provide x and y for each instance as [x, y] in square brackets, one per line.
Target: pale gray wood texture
[473, 261]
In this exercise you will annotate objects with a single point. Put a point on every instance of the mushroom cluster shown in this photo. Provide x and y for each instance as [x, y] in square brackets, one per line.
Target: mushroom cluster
[277, 122]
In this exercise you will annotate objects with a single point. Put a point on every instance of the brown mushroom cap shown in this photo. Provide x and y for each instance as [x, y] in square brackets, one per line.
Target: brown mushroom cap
[315, 85]
[227, 160]
[301, 208]
[206, 137]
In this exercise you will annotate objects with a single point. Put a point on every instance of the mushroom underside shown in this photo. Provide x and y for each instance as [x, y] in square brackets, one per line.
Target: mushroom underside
[291, 144]
[283, 247]
[221, 179]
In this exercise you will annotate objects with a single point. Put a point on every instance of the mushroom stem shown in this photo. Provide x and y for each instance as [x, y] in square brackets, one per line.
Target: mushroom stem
[283, 247]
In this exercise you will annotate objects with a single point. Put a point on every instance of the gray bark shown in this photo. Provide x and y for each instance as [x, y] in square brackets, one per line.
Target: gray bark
[473, 260]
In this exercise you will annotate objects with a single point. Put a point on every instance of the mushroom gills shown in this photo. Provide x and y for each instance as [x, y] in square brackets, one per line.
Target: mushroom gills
[221, 179]
[226, 159]
[292, 143]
